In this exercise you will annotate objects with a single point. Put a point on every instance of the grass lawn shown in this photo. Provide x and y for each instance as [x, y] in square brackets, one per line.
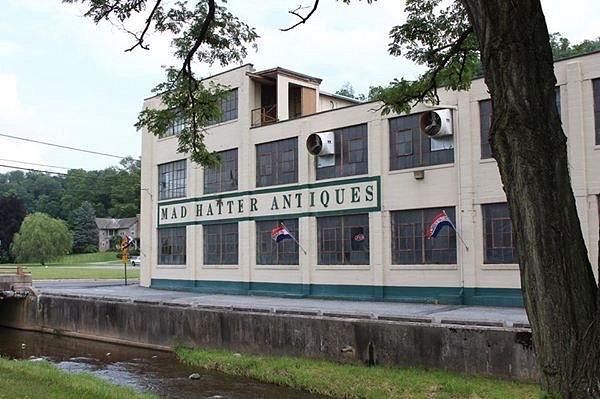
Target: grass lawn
[100, 265]
[349, 381]
[25, 379]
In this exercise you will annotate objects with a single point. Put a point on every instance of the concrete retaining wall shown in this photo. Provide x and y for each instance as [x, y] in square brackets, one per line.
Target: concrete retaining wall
[477, 350]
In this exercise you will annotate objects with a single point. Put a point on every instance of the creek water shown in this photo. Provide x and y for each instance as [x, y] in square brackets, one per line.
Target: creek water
[144, 370]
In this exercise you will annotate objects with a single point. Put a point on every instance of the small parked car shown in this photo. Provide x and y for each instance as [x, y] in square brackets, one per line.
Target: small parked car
[135, 261]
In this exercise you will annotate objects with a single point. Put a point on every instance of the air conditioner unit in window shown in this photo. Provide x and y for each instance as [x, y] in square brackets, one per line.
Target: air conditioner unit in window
[322, 145]
[436, 123]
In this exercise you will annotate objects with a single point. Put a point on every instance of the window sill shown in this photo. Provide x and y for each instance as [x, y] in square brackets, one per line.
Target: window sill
[161, 139]
[229, 122]
[220, 266]
[500, 266]
[419, 168]
[333, 179]
[171, 267]
[487, 160]
[277, 267]
[424, 267]
[343, 267]
[596, 147]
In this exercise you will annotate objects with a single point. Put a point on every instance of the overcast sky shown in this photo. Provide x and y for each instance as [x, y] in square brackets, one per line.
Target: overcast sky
[65, 80]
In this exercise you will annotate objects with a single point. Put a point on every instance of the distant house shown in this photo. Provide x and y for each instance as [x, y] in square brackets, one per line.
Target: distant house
[108, 228]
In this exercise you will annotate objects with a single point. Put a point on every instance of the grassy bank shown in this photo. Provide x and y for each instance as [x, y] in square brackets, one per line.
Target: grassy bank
[24, 379]
[348, 381]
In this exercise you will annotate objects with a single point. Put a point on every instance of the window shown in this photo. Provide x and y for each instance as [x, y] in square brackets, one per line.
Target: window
[223, 177]
[497, 234]
[343, 240]
[221, 244]
[485, 123]
[409, 148]
[171, 246]
[269, 252]
[411, 247]
[171, 180]
[557, 99]
[175, 128]
[596, 90]
[228, 107]
[277, 162]
[350, 153]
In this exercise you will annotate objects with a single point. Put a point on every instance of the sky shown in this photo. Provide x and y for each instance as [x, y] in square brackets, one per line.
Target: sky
[66, 80]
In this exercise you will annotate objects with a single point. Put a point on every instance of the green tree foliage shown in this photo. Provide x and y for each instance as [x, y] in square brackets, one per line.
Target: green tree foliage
[112, 192]
[41, 239]
[12, 213]
[348, 91]
[84, 228]
[562, 47]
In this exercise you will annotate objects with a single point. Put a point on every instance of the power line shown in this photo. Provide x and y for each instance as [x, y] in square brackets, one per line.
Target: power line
[35, 164]
[61, 146]
[33, 170]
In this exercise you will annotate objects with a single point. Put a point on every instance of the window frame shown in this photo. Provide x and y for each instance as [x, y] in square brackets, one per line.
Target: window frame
[596, 108]
[228, 107]
[271, 167]
[488, 222]
[421, 153]
[175, 180]
[219, 175]
[344, 165]
[286, 252]
[423, 249]
[341, 227]
[221, 244]
[178, 241]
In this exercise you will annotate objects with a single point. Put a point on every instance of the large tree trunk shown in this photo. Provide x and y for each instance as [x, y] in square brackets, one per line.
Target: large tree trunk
[560, 292]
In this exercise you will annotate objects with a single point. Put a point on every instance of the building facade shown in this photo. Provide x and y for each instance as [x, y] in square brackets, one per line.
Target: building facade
[109, 228]
[360, 213]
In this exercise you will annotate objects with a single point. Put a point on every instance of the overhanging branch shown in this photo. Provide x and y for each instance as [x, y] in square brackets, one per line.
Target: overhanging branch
[303, 19]
[140, 38]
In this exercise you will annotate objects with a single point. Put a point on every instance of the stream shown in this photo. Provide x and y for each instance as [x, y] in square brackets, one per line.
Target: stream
[144, 370]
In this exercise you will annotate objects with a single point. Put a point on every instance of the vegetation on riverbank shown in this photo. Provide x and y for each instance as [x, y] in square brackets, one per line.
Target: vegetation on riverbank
[353, 381]
[26, 379]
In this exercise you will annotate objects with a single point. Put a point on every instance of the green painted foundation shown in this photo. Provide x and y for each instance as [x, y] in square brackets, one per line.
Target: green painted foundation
[507, 297]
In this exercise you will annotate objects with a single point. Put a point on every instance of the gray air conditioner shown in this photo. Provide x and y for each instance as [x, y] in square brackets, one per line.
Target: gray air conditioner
[322, 145]
[436, 123]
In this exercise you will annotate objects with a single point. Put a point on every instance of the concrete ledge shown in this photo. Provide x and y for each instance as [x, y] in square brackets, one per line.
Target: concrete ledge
[477, 350]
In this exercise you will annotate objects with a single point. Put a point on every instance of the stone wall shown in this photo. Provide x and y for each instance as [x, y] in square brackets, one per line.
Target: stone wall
[475, 350]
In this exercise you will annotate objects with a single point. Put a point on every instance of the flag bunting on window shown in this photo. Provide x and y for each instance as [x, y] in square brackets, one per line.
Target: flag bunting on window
[437, 224]
[280, 233]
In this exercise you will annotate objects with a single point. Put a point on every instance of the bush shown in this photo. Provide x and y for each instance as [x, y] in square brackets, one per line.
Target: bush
[41, 239]
[90, 249]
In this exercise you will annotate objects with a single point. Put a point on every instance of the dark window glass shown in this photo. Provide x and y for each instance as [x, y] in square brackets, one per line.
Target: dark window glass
[228, 107]
[351, 149]
[221, 244]
[411, 247]
[596, 90]
[224, 177]
[277, 162]
[409, 148]
[343, 240]
[485, 123]
[171, 246]
[171, 180]
[497, 234]
[269, 252]
[557, 99]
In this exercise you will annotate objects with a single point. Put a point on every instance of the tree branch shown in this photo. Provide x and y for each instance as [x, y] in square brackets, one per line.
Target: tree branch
[140, 39]
[303, 19]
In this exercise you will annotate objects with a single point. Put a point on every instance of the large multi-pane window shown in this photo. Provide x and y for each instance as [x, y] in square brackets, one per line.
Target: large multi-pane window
[277, 162]
[596, 91]
[171, 246]
[499, 246]
[175, 127]
[343, 240]
[269, 252]
[171, 180]
[409, 148]
[411, 247]
[221, 244]
[223, 177]
[228, 107]
[351, 153]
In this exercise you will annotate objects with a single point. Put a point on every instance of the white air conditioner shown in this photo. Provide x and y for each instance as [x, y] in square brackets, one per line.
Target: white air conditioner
[321, 143]
[436, 123]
